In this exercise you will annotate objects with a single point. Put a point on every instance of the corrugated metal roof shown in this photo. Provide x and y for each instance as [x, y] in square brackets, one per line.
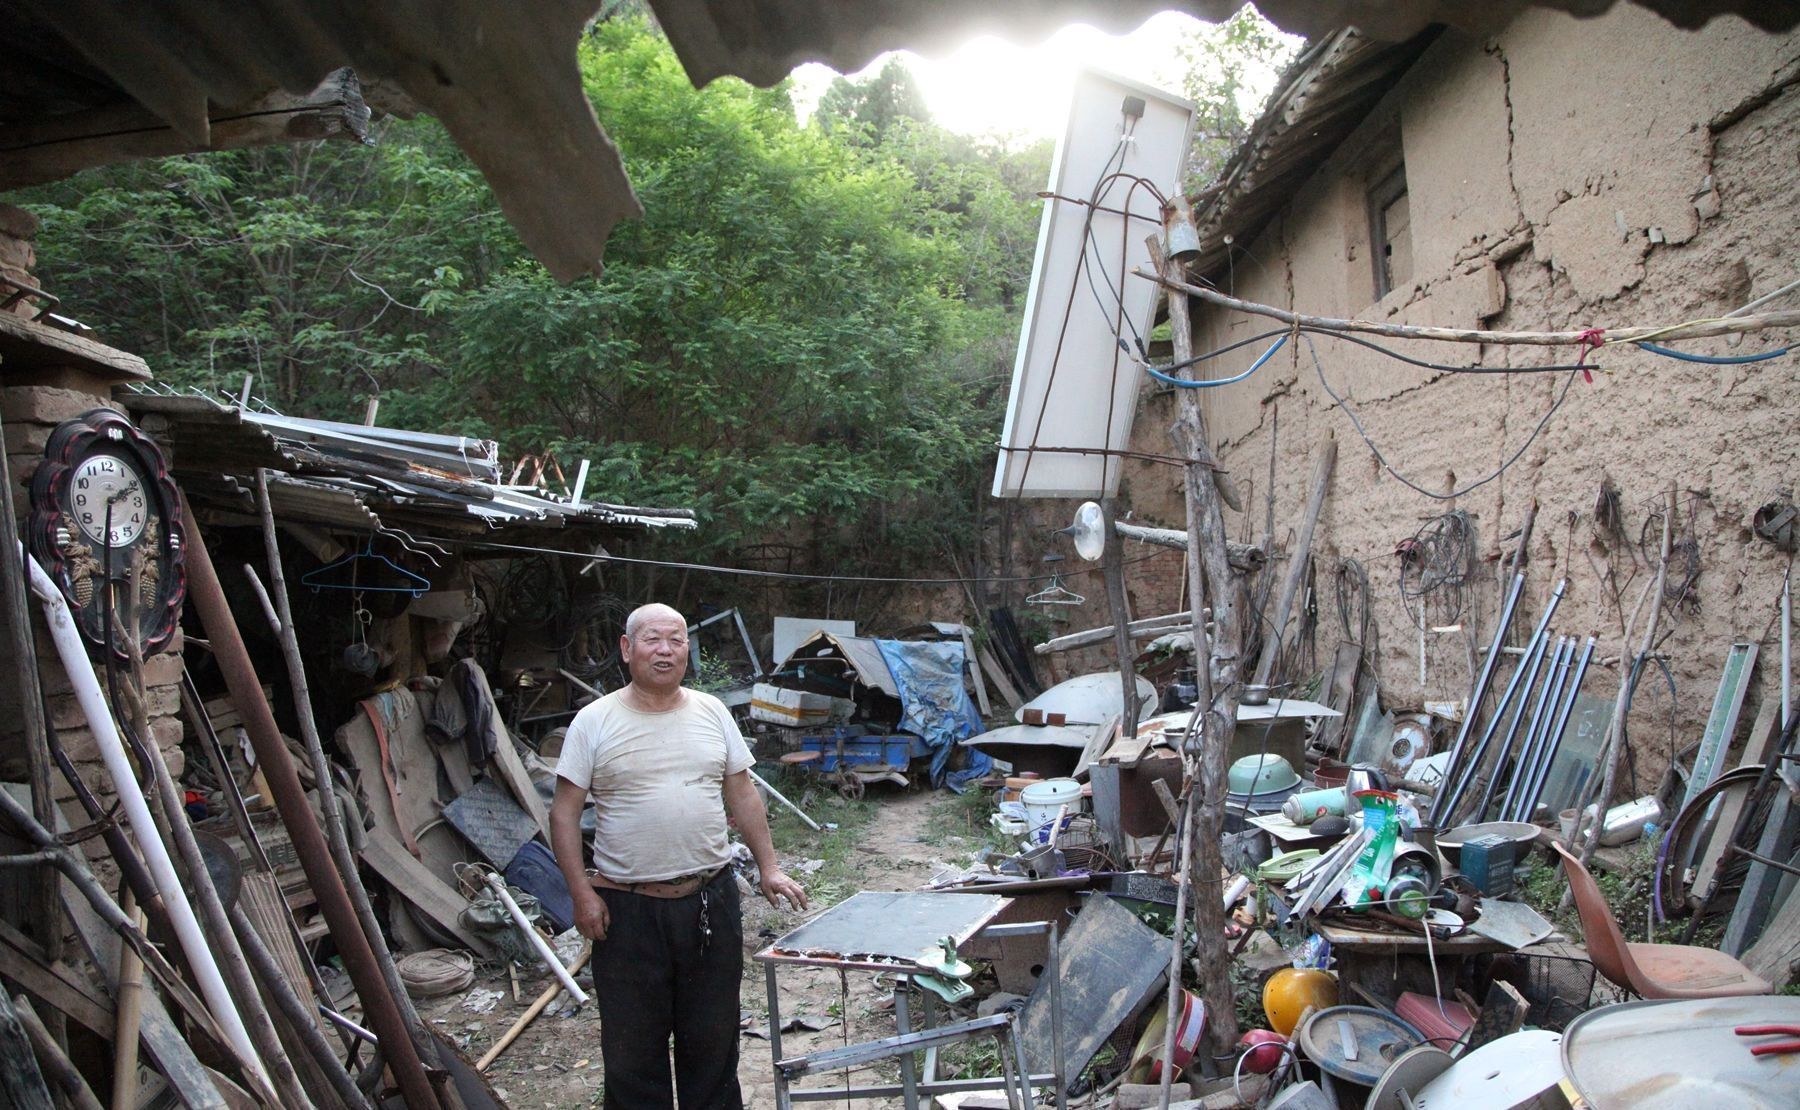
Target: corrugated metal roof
[1321, 98]
[350, 477]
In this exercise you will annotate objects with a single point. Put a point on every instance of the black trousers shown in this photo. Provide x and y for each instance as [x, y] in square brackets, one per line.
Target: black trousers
[659, 975]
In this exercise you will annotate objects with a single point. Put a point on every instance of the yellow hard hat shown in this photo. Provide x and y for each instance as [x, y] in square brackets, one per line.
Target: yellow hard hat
[1291, 990]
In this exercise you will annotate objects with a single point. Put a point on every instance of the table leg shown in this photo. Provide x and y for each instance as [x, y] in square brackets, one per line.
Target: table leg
[1018, 1049]
[908, 1076]
[781, 1087]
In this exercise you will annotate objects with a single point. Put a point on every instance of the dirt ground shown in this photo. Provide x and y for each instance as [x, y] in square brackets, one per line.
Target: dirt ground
[895, 840]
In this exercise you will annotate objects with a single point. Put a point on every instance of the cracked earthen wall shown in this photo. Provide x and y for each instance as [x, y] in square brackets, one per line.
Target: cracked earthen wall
[1562, 174]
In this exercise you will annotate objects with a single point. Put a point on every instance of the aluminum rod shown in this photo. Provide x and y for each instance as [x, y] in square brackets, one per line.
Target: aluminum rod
[1523, 676]
[1552, 660]
[208, 599]
[1445, 806]
[1553, 744]
[1530, 753]
[193, 941]
[1479, 693]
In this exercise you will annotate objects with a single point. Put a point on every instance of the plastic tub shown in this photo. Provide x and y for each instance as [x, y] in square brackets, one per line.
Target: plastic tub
[1042, 800]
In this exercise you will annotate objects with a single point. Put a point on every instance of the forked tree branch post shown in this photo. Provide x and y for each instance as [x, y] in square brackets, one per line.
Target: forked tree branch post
[1209, 736]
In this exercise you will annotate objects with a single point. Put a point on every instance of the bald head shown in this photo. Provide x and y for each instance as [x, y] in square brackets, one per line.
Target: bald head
[655, 611]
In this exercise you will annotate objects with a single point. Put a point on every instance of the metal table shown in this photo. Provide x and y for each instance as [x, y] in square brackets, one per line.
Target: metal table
[890, 932]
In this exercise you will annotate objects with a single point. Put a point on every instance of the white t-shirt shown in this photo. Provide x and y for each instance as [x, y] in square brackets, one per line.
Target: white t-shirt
[657, 783]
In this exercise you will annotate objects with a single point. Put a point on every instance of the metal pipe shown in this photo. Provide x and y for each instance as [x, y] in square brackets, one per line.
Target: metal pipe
[1533, 748]
[208, 598]
[1445, 805]
[1482, 681]
[1523, 676]
[1554, 743]
[1553, 660]
[193, 941]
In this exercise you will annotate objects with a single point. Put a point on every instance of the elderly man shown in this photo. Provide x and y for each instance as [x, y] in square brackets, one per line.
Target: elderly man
[664, 765]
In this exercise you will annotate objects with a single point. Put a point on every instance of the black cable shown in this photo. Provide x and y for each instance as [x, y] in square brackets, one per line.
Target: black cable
[1348, 337]
[1356, 423]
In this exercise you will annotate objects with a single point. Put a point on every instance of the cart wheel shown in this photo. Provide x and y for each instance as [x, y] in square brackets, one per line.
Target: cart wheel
[851, 788]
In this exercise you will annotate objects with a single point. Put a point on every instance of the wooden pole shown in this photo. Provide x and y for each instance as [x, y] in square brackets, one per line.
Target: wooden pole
[1209, 588]
[1113, 570]
[529, 1016]
[1699, 330]
[128, 1014]
[1615, 734]
[281, 615]
[1297, 559]
[46, 910]
[54, 1060]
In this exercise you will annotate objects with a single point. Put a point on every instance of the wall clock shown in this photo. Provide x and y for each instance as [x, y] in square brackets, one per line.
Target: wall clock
[104, 509]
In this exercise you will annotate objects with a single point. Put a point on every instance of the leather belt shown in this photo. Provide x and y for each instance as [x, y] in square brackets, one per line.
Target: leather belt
[679, 887]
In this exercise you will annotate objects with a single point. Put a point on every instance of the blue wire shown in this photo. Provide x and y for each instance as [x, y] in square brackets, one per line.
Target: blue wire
[1714, 360]
[1185, 383]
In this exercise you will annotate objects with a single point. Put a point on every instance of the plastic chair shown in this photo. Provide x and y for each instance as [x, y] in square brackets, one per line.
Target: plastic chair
[1652, 970]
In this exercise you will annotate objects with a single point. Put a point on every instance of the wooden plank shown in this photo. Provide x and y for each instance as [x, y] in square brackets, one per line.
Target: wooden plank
[55, 147]
[991, 667]
[414, 882]
[974, 671]
[25, 345]
[1759, 745]
[1776, 954]
[162, 1042]
[1340, 694]
[510, 770]
[56, 984]
[1297, 560]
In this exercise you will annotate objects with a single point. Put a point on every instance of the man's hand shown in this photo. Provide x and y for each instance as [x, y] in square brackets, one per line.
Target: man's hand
[776, 884]
[591, 915]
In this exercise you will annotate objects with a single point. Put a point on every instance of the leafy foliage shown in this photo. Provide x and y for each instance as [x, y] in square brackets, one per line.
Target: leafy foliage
[807, 338]
[1231, 69]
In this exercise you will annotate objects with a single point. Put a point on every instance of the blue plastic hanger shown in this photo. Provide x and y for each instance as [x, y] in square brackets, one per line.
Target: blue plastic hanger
[317, 580]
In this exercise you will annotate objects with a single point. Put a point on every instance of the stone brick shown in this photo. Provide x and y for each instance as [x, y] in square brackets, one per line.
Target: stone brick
[17, 223]
[163, 669]
[45, 404]
[27, 438]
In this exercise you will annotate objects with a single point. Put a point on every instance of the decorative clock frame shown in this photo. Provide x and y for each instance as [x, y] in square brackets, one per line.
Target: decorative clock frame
[151, 562]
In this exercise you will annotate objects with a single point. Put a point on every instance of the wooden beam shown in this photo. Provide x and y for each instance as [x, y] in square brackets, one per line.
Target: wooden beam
[58, 146]
[1146, 629]
[28, 345]
[414, 883]
[55, 983]
[1297, 560]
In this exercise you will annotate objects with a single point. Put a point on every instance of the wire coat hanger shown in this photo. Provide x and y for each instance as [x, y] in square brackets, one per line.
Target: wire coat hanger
[329, 576]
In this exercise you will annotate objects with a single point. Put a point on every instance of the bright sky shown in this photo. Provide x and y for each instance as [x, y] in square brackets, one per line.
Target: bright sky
[993, 87]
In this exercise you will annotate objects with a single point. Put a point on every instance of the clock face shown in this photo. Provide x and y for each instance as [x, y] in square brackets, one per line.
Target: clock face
[107, 482]
[106, 525]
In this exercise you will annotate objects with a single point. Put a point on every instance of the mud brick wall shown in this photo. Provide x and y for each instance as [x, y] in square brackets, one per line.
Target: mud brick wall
[33, 403]
[1561, 174]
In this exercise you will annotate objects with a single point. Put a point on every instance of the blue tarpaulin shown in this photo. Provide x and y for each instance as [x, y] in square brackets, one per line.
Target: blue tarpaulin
[935, 705]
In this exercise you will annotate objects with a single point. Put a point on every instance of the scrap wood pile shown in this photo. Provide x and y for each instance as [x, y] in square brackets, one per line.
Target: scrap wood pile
[243, 961]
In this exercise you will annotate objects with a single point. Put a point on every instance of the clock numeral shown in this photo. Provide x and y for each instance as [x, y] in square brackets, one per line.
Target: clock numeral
[81, 483]
[87, 518]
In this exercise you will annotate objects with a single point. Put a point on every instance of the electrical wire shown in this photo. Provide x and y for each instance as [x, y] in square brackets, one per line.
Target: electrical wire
[785, 575]
[1329, 333]
[1356, 423]
[1214, 383]
[1714, 360]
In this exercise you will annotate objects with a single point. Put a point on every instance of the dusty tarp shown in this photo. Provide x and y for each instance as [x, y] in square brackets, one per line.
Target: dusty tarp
[935, 705]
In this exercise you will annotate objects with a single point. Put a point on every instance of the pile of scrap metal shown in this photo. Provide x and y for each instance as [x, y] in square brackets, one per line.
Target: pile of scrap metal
[856, 710]
[361, 478]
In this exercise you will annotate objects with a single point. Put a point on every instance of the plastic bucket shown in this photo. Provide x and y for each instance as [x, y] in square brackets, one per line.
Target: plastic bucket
[1330, 773]
[1042, 800]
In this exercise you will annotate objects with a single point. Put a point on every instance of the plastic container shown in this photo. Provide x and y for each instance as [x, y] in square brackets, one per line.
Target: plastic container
[1042, 800]
[1330, 773]
[1625, 823]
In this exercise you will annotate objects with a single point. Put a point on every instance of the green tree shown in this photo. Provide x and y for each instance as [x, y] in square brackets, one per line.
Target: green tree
[867, 111]
[1231, 69]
